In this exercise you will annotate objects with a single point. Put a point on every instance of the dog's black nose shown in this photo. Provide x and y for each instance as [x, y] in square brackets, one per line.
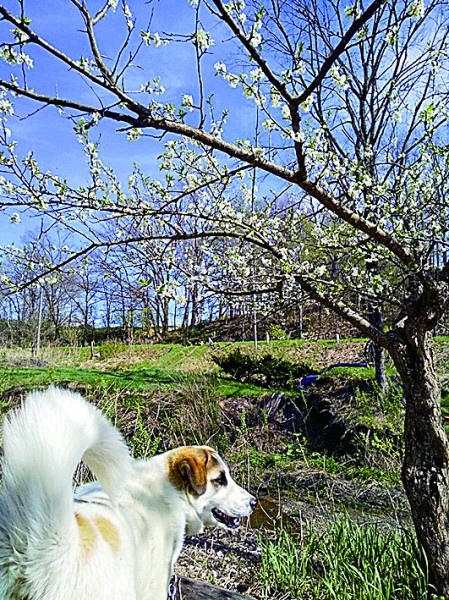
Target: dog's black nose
[253, 503]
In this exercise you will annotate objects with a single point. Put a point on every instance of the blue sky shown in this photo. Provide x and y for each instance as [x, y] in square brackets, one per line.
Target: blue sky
[51, 137]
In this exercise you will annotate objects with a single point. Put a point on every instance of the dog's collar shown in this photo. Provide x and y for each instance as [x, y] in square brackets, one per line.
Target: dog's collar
[173, 588]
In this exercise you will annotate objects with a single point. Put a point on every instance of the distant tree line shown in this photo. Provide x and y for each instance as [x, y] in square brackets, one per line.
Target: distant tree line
[134, 295]
[117, 293]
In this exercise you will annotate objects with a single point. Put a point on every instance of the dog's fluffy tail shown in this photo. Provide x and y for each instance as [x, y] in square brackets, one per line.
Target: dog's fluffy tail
[43, 443]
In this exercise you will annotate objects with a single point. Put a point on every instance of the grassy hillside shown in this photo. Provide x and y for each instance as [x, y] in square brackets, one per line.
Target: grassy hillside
[144, 366]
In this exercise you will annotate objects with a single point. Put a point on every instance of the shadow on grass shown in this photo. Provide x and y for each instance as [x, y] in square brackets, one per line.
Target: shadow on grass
[142, 378]
[28, 378]
[37, 377]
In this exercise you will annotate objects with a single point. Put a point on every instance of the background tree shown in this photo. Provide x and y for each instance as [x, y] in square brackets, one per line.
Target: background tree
[353, 101]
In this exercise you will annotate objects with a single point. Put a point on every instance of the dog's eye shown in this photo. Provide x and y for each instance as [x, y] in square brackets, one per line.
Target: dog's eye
[221, 479]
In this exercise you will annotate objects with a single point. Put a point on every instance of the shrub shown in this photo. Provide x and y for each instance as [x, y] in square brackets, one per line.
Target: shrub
[276, 332]
[266, 369]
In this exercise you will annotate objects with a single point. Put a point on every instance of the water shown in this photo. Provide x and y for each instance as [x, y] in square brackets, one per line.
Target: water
[268, 514]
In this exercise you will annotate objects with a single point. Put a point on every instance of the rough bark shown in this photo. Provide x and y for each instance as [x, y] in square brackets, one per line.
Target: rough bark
[425, 470]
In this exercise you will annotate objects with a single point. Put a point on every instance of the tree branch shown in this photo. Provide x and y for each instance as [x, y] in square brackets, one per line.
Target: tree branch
[357, 24]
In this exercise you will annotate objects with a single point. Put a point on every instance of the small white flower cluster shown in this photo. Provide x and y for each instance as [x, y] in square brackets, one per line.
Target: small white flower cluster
[255, 37]
[7, 187]
[340, 79]
[392, 36]
[352, 10]
[153, 87]
[6, 106]
[128, 16]
[15, 218]
[134, 134]
[251, 84]
[305, 106]
[235, 8]
[187, 102]
[202, 40]
[153, 38]
[89, 66]
[256, 75]
[12, 57]
[416, 9]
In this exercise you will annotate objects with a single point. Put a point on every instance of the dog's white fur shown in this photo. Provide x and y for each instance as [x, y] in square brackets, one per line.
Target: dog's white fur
[117, 539]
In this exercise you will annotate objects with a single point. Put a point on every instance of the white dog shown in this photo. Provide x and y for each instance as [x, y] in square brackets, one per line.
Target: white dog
[113, 540]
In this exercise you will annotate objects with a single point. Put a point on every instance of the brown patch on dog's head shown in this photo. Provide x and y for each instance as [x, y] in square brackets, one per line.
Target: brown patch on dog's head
[189, 468]
[109, 533]
[88, 535]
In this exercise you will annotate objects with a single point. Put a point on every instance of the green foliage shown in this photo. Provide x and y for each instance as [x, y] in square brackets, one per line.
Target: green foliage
[276, 332]
[267, 369]
[345, 561]
[239, 365]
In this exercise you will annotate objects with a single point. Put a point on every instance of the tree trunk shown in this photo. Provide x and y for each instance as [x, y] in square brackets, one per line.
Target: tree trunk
[194, 312]
[425, 471]
[166, 315]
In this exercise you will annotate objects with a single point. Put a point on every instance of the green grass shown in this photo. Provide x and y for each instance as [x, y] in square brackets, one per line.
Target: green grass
[145, 367]
[137, 379]
[345, 561]
[30, 377]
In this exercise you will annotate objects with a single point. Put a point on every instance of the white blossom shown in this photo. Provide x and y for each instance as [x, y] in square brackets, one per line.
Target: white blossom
[305, 106]
[298, 136]
[392, 36]
[275, 98]
[134, 134]
[203, 40]
[285, 110]
[416, 9]
[6, 106]
[300, 68]
[187, 101]
[340, 79]
[352, 11]
[256, 74]
[157, 39]
[220, 67]
[269, 125]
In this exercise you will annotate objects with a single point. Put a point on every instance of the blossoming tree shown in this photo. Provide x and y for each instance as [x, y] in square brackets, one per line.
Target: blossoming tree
[336, 183]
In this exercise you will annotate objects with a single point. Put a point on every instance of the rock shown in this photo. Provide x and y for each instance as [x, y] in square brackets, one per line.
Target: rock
[193, 589]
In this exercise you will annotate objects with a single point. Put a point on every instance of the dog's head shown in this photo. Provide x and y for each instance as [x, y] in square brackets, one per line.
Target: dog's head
[215, 497]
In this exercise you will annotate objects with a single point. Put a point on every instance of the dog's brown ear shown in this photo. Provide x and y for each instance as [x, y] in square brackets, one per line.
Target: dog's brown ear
[188, 470]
